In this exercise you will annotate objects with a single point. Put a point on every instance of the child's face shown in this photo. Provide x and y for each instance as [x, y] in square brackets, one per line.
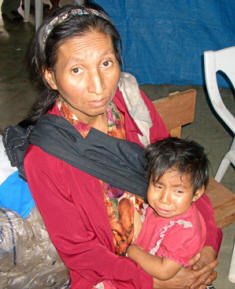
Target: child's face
[172, 194]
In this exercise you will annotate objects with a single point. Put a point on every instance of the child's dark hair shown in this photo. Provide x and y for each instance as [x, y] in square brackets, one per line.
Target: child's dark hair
[186, 156]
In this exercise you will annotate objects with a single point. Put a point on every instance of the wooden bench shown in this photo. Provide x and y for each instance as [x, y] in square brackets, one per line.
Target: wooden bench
[176, 110]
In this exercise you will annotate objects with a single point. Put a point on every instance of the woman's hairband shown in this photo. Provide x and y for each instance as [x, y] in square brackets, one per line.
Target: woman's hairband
[66, 15]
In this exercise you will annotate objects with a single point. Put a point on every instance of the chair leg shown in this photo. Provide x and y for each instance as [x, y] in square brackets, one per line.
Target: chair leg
[231, 275]
[38, 13]
[26, 10]
[226, 161]
[222, 168]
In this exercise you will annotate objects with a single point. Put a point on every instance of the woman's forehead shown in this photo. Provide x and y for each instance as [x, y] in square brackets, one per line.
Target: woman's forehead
[92, 40]
[92, 44]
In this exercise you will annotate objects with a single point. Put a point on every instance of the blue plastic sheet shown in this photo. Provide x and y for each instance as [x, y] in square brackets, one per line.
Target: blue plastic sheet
[164, 40]
[15, 195]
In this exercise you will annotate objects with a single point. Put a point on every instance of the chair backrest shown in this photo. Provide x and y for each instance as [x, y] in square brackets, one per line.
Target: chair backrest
[214, 61]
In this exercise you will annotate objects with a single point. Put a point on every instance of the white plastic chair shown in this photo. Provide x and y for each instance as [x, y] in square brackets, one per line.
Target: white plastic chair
[214, 61]
[231, 274]
[38, 12]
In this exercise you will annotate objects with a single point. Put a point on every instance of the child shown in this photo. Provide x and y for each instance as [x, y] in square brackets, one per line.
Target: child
[173, 230]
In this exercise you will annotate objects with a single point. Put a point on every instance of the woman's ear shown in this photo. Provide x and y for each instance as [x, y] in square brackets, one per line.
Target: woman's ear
[49, 76]
[198, 193]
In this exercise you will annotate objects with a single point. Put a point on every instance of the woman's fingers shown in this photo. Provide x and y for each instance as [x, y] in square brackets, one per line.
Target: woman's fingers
[205, 275]
[194, 260]
[207, 255]
[211, 278]
[202, 287]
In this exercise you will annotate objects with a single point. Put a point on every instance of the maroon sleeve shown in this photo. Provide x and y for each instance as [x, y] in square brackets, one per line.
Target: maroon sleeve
[74, 215]
[214, 234]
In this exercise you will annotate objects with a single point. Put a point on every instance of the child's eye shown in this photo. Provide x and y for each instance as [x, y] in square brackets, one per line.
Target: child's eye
[158, 186]
[179, 192]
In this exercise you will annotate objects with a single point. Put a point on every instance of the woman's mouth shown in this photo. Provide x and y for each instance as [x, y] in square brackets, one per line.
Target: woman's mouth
[99, 103]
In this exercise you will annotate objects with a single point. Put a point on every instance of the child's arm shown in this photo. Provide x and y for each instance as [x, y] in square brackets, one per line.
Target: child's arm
[160, 268]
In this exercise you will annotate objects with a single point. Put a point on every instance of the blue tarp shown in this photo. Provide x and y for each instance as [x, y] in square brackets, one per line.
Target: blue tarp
[15, 195]
[164, 40]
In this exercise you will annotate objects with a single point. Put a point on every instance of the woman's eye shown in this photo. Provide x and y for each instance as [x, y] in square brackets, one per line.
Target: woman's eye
[107, 63]
[76, 70]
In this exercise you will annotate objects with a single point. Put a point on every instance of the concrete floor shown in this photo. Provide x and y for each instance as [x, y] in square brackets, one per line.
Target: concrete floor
[17, 96]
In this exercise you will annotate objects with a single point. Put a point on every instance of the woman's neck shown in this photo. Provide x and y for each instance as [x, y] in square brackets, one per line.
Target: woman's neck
[100, 123]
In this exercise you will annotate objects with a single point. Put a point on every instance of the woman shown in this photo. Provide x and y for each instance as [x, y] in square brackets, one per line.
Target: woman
[76, 56]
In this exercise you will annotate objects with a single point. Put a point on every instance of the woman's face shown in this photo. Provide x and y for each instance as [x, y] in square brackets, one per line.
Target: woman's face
[86, 74]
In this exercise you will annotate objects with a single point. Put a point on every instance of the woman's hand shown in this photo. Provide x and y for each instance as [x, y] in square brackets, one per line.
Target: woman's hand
[207, 256]
[199, 277]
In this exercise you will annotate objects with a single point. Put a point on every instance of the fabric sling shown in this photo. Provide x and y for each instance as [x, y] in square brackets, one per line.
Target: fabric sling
[118, 162]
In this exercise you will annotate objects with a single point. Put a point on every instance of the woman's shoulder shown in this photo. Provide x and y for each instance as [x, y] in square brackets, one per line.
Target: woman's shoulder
[158, 129]
[37, 159]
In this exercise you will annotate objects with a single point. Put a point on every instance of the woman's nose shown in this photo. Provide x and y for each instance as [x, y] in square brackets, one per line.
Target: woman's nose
[96, 82]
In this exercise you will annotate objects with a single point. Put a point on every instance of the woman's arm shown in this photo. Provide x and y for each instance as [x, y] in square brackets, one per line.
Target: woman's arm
[214, 234]
[161, 268]
[213, 239]
[72, 206]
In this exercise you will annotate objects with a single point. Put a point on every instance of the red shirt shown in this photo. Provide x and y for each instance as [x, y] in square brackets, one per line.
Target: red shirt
[71, 203]
[177, 238]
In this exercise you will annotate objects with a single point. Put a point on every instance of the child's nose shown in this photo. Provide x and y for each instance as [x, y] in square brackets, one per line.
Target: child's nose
[165, 196]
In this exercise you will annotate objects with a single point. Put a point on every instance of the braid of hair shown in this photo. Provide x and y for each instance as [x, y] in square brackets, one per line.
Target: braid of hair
[43, 105]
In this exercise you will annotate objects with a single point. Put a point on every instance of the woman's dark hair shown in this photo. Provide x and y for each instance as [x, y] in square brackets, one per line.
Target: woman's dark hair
[43, 54]
[183, 155]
